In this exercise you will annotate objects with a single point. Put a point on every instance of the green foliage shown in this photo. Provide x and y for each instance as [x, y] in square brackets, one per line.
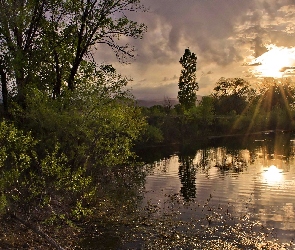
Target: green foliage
[16, 158]
[241, 109]
[95, 125]
[232, 94]
[179, 124]
[187, 81]
[273, 106]
[44, 184]
[61, 146]
[152, 135]
[206, 112]
[48, 43]
[274, 94]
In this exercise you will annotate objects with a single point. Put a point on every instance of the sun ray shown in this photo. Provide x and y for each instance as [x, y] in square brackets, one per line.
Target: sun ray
[255, 114]
[240, 118]
[274, 92]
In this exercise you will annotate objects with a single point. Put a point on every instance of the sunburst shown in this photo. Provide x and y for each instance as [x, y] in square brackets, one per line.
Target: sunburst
[274, 62]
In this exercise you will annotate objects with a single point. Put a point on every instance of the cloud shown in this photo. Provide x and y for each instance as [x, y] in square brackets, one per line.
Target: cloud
[258, 47]
[253, 64]
[174, 78]
[225, 34]
[284, 69]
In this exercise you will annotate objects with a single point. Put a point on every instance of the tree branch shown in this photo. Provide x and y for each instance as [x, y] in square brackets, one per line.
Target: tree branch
[37, 230]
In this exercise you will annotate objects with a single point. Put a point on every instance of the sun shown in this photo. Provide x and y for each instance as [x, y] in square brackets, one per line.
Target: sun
[276, 62]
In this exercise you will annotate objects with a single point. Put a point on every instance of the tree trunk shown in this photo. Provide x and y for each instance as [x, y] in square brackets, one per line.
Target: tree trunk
[38, 231]
[57, 85]
[74, 70]
[4, 90]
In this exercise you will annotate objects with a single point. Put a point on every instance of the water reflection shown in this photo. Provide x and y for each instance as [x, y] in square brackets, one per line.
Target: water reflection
[236, 175]
[187, 175]
[273, 176]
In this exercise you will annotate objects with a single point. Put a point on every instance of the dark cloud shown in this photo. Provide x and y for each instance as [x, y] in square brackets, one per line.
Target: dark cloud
[204, 26]
[259, 47]
[287, 69]
[253, 64]
[269, 23]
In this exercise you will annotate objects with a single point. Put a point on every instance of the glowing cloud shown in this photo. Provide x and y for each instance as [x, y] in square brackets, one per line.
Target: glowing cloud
[274, 63]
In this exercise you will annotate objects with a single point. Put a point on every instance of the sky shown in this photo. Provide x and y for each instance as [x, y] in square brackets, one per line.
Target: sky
[251, 39]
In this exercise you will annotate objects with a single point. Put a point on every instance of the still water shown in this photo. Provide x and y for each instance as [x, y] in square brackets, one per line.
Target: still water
[251, 177]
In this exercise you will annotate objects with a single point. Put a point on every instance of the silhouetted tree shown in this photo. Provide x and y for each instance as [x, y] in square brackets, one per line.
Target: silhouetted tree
[232, 94]
[187, 81]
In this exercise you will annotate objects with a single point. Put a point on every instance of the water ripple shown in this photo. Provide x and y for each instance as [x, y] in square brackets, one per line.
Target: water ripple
[265, 187]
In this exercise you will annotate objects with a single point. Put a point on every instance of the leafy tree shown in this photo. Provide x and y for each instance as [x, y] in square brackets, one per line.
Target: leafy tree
[78, 142]
[276, 94]
[187, 81]
[46, 43]
[73, 122]
[273, 107]
[206, 112]
[97, 124]
[232, 95]
[232, 86]
[39, 189]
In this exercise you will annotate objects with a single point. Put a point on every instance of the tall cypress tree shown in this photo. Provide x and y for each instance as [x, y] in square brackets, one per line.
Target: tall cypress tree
[187, 81]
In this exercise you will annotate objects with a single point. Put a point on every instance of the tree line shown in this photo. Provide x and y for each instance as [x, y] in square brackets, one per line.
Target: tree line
[234, 107]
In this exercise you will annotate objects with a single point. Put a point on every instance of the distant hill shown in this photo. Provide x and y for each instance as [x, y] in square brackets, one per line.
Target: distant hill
[150, 103]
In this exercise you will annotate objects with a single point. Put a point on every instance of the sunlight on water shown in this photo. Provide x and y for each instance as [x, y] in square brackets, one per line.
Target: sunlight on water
[273, 176]
[254, 181]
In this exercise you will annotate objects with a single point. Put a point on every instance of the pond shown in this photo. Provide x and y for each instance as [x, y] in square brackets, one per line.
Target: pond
[251, 178]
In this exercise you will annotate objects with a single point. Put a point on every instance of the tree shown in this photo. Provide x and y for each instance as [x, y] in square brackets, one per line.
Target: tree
[232, 94]
[72, 123]
[187, 81]
[275, 94]
[206, 112]
[274, 105]
[231, 86]
[28, 183]
[45, 43]
[53, 158]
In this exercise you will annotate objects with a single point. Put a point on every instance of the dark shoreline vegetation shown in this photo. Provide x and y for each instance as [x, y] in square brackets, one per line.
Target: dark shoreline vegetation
[71, 175]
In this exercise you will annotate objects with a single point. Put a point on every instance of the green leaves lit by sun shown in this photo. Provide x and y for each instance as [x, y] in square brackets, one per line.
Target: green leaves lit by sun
[272, 176]
[276, 62]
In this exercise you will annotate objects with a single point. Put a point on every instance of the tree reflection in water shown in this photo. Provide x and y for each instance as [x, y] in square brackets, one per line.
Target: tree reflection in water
[187, 175]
